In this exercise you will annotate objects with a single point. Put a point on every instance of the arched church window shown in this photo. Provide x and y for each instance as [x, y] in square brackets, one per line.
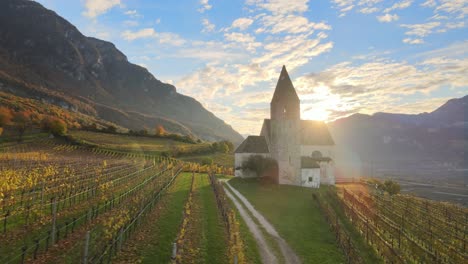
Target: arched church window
[317, 154]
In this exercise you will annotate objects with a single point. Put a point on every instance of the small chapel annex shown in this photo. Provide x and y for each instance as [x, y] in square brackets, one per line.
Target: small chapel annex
[303, 149]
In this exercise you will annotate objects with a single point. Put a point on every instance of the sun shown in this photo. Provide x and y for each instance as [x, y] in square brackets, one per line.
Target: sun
[316, 114]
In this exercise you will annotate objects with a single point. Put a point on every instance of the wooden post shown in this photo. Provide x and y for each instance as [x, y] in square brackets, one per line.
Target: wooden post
[54, 219]
[174, 250]
[120, 238]
[86, 248]
[23, 254]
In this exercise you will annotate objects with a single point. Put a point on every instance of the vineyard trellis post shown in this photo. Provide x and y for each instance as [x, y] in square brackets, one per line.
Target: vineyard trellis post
[86, 248]
[54, 219]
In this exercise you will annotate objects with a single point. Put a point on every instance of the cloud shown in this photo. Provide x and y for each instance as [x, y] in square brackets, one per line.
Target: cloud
[132, 13]
[454, 7]
[204, 6]
[344, 6]
[142, 33]
[281, 6]
[429, 3]
[162, 37]
[382, 84]
[369, 10]
[239, 37]
[413, 41]
[400, 5]
[242, 23]
[292, 24]
[207, 25]
[420, 30]
[455, 50]
[95, 8]
[387, 18]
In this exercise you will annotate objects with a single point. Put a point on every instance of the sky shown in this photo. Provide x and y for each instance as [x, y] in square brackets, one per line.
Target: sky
[343, 56]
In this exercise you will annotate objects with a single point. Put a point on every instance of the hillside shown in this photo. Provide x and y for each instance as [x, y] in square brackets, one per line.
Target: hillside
[436, 140]
[43, 56]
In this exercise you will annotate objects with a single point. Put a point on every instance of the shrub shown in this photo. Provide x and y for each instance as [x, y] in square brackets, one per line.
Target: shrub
[54, 125]
[260, 165]
[5, 116]
[207, 161]
[391, 187]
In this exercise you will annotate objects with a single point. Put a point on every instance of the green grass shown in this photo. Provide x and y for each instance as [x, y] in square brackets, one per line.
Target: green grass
[222, 159]
[296, 217]
[214, 243]
[158, 248]
[251, 252]
[132, 143]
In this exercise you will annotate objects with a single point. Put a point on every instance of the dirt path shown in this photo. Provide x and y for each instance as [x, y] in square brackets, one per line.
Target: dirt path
[289, 255]
[265, 251]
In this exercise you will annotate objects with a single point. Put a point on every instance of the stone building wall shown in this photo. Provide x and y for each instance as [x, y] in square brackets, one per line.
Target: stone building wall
[285, 148]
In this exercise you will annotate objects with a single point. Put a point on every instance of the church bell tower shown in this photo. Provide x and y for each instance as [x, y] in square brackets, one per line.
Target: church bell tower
[285, 128]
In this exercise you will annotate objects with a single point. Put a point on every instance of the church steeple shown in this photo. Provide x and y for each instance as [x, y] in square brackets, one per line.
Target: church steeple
[285, 103]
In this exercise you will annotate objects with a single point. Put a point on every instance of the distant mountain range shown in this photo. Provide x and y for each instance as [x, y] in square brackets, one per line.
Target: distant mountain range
[429, 140]
[43, 56]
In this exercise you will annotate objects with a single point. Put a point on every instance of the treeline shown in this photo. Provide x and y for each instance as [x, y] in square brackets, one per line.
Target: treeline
[21, 121]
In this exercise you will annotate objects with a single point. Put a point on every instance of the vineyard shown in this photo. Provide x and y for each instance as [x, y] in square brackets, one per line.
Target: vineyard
[407, 229]
[63, 203]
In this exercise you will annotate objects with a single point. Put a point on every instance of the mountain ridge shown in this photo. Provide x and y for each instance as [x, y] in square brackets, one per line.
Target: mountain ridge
[45, 57]
[391, 140]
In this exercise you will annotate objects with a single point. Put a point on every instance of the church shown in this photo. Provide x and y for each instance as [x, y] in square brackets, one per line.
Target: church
[303, 149]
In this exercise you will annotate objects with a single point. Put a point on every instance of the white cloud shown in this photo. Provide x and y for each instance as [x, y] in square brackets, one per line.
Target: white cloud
[344, 6]
[369, 10]
[242, 23]
[454, 7]
[292, 24]
[207, 25]
[400, 5]
[170, 38]
[413, 41]
[420, 30]
[162, 37]
[281, 6]
[204, 6]
[429, 3]
[239, 37]
[95, 8]
[142, 33]
[379, 85]
[387, 18]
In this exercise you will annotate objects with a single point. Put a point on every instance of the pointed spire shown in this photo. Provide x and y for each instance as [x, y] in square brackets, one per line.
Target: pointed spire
[284, 87]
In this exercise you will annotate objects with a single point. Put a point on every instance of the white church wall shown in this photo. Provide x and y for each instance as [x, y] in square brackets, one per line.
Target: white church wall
[327, 173]
[327, 151]
[310, 177]
[239, 158]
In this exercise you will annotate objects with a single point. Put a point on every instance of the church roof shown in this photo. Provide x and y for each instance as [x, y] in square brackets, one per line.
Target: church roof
[253, 144]
[311, 132]
[284, 87]
[315, 133]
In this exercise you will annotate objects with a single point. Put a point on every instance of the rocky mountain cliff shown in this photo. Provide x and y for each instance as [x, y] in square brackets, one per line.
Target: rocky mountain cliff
[436, 139]
[45, 57]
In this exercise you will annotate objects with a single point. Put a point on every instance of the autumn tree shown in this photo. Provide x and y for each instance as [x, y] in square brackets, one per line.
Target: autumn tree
[5, 116]
[391, 187]
[21, 121]
[54, 125]
[160, 131]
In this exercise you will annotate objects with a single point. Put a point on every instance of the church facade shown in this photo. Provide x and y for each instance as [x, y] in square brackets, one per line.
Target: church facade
[303, 149]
